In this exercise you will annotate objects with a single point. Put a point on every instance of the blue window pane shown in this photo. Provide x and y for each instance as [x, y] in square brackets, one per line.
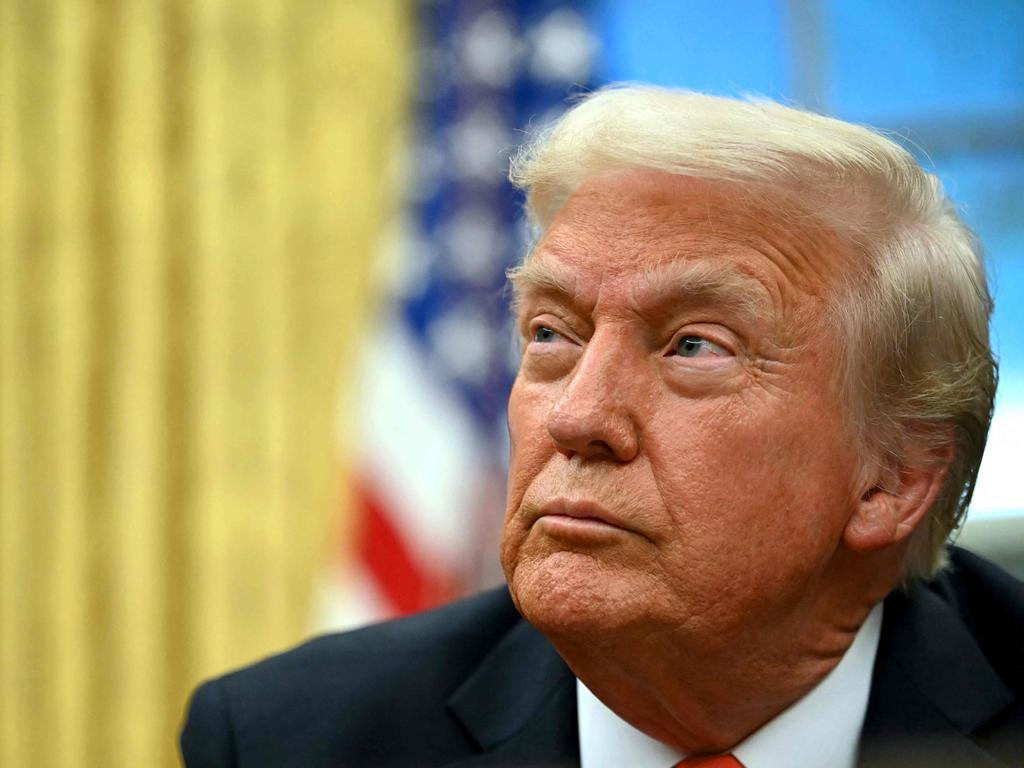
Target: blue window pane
[703, 45]
[891, 61]
[989, 189]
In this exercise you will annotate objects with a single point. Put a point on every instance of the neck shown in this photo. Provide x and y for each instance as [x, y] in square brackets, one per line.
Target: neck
[707, 694]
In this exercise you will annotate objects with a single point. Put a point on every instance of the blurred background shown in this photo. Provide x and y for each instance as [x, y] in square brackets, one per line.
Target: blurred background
[254, 346]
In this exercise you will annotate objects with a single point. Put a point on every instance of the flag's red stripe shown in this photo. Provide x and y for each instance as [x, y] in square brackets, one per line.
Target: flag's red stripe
[408, 584]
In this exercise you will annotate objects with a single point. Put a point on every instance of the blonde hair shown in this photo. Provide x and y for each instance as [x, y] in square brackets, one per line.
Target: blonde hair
[917, 366]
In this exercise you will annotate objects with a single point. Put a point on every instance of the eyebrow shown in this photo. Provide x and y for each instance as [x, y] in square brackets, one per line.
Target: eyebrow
[535, 277]
[672, 281]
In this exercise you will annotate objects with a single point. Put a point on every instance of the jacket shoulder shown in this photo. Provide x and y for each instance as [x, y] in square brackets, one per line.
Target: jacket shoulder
[342, 661]
[990, 603]
[344, 696]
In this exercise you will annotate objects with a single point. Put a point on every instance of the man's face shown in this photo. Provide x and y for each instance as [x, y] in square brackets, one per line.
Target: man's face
[680, 459]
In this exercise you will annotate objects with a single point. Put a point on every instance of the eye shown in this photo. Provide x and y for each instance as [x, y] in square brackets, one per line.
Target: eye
[696, 346]
[544, 334]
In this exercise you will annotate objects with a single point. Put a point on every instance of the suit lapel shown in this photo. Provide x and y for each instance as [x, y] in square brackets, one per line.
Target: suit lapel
[520, 705]
[932, 687]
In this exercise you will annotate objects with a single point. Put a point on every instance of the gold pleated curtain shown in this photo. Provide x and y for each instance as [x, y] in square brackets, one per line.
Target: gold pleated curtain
[191, 195]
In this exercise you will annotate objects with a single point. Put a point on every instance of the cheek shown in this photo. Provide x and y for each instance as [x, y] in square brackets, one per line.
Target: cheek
[754, 489]
[531, 446]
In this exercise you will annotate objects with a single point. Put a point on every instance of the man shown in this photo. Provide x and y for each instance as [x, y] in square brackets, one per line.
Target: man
[754, 393]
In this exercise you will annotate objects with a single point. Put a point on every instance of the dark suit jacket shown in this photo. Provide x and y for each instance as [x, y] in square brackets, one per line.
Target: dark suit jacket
[472, 684]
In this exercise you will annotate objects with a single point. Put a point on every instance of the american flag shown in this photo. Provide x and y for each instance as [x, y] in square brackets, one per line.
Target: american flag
[430, 475]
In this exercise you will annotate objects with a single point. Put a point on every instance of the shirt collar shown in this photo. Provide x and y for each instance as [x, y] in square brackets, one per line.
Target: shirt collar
[821, 729]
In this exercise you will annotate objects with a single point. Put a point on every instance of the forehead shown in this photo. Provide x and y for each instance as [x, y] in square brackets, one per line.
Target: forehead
[653, 224]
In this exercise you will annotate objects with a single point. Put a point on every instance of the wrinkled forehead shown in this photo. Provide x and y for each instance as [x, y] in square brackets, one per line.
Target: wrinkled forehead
[633, 221]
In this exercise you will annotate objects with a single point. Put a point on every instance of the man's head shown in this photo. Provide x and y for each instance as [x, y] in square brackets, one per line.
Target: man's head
[756, 363]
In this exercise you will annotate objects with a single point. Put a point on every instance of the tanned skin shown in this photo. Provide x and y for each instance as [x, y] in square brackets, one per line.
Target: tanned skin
[690, 519]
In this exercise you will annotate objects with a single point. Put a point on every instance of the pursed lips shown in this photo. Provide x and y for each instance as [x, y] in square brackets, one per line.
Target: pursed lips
[580, 512]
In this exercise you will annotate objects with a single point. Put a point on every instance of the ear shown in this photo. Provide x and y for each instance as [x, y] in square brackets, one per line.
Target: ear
[897, 499]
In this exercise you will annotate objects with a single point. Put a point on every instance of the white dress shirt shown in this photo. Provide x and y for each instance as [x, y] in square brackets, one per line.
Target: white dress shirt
[821, 730]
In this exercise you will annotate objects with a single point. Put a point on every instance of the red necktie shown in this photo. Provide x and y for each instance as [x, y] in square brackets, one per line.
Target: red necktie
[710, 761]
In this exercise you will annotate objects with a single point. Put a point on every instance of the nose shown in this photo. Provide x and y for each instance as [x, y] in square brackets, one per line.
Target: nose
[595, 414]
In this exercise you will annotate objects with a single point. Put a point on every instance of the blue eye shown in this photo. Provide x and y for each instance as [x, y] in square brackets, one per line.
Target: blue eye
[545, 334]
[695, 346]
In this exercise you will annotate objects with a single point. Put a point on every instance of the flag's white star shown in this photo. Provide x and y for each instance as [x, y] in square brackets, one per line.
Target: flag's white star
[563, 49]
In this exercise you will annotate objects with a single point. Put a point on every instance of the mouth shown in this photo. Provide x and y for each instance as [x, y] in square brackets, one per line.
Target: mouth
[579, 521]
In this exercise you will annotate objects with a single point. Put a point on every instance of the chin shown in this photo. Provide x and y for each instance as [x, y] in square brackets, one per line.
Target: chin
[570, 594]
